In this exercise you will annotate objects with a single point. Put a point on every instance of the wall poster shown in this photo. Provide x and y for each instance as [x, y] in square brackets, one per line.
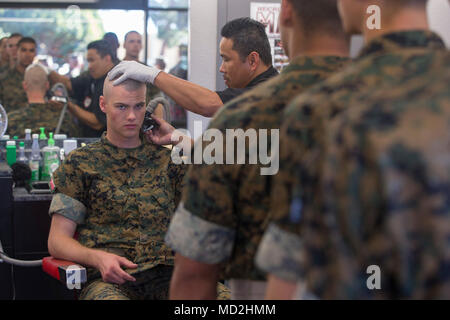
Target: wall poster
[267, 14]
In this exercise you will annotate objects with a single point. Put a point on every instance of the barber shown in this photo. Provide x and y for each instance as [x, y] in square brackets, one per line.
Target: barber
[247, 62]
[87, 88]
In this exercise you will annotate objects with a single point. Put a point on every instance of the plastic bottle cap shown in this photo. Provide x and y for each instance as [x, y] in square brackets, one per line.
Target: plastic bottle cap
[51, 142]
[60, 136]
[5, 137]
[35, 136]
[42, 136]
[27, 130]
[16, 138]
[22, 144]
[11, 143]
[69, 145]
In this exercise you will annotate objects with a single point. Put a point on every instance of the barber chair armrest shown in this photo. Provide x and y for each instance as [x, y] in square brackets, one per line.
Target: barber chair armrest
[69, 273]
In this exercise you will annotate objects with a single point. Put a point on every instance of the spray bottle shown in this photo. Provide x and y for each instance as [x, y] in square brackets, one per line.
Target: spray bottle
[51, 159]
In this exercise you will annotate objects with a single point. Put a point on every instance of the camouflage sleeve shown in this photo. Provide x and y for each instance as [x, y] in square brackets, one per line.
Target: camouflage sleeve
[198, 239]
[283, 238]
[177, 173]
[69, 189]
[68, 207]
[15, 127]
[279, 254]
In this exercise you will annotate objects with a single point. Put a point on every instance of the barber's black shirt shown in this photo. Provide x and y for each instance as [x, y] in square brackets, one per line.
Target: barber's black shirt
[231, 93]
[87, 91]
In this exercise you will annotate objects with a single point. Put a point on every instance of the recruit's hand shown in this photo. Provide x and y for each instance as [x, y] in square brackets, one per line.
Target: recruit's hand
[133, 70]
[110, 265]
[161, 135]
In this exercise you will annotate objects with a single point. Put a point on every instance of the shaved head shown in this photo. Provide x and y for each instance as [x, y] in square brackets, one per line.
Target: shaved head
[129, 85]
[36, 78]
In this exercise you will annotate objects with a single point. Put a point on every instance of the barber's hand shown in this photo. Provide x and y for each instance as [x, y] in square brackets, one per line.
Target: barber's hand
[110, 267]
[162, 134]
[133, 70]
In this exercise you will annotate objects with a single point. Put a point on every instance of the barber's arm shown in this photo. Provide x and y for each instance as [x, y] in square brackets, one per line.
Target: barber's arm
[188, 95]
[86, 117]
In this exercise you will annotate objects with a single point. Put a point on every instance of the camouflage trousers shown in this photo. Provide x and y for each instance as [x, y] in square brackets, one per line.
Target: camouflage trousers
[151, 284]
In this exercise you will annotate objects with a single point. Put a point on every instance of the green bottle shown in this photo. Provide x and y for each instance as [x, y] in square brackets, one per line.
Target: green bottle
[51, 159]
[11, 152]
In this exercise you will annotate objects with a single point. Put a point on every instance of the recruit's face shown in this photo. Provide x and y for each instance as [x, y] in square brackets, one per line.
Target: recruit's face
[97, 65]
[124, 108]
[12, 47]
[236, 73]
[26, 54]
[352, 14]
[133, 44]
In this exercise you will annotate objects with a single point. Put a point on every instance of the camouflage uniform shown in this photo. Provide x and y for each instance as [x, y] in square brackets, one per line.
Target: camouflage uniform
[367, 182]
[4, 68]
[12, 94]
[224, 208]
[121, 200]
[36, 115]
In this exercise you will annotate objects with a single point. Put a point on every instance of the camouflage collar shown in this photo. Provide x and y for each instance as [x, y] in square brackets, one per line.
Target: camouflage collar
[304, 62]
[120, 154]
[392, 42]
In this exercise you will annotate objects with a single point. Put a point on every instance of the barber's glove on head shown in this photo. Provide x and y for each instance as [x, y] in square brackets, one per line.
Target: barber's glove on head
[133, 70]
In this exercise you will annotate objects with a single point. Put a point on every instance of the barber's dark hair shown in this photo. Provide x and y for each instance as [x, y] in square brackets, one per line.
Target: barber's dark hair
[15, 35]
[318, 15]
[26, 40]
[112, 39]
[103, 48]
[248, 35]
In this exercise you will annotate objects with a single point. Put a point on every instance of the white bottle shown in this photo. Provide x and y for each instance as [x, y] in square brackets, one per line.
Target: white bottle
[22, 157]
[35, 159]
[27, 134]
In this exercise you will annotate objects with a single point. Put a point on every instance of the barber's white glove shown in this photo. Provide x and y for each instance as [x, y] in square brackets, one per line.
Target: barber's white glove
[133, 70]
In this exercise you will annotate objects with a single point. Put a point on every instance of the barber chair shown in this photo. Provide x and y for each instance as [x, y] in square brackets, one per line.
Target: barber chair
[69, 273]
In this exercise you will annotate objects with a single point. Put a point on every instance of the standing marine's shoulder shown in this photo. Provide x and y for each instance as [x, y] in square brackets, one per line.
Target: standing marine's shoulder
[239, 112]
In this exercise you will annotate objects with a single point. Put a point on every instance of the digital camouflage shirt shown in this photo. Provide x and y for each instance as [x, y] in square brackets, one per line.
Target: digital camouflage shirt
[121, 199]
[36, 115]
[365, 191]
[12, 94]
[225, 207]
